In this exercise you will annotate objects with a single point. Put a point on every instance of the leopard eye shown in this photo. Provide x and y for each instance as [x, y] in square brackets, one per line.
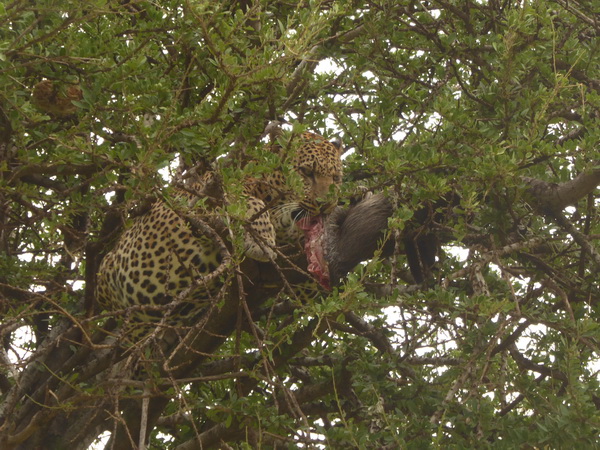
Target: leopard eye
[307, 172]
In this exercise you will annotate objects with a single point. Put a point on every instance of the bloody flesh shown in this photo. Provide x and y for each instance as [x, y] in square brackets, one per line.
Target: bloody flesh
[313, 228]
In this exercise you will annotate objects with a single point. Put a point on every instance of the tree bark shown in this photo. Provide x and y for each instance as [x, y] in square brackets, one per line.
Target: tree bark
[553, 197]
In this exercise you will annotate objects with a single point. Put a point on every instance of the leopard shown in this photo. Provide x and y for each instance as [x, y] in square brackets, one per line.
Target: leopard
[161, 257]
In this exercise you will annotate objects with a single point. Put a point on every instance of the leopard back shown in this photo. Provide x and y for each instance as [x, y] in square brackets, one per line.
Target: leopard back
[163, 263]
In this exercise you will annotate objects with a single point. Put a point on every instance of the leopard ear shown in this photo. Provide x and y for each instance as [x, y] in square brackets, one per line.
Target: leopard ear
[337, 143]
[274, 131]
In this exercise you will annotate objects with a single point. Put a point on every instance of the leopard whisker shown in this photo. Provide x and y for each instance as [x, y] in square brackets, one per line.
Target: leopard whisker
[285, 208]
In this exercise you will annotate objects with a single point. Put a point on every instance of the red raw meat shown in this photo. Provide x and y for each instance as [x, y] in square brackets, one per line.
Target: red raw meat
[313, 247]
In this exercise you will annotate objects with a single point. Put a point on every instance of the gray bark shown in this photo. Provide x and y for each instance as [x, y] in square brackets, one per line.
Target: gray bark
[551, 197]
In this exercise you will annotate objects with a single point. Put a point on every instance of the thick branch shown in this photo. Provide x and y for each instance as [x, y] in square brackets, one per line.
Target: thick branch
[555, 197]
[526, 364]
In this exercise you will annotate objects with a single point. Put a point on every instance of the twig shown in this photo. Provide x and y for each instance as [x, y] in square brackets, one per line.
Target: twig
[144, 418]
[578, 237]
[487, 257]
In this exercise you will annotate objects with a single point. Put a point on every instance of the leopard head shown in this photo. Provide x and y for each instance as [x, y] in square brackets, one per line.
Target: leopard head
[319, 163]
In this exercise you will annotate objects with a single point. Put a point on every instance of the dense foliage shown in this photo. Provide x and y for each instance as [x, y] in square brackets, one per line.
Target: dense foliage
[461, 106]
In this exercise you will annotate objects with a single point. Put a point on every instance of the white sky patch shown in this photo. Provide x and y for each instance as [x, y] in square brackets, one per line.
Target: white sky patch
[369, 75]
[327, 65]
[433, 120]
[166, 173]
[100, 441]
[21, 346]
[77, 285]
[26, 257]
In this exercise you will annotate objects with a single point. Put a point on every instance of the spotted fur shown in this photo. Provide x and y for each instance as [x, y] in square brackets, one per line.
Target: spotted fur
[160, 257]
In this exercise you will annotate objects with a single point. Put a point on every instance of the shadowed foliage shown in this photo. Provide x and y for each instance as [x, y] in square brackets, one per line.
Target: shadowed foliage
[464, 249]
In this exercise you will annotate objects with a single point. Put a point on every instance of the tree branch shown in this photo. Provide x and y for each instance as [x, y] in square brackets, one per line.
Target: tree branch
[555, 197]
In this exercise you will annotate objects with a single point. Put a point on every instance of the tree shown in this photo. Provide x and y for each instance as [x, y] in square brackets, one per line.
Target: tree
[476, 123]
